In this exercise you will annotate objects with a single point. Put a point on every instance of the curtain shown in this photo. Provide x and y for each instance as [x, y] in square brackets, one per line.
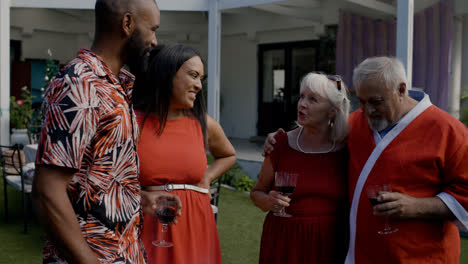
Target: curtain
[361, 37]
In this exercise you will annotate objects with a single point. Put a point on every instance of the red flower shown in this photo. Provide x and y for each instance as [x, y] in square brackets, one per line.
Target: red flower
[19, 102]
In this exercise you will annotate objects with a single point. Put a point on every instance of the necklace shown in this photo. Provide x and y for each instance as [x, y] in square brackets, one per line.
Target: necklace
[311, 152]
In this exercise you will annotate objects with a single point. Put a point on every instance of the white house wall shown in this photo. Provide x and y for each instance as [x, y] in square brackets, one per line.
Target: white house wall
[42, 29]
[63, 46]
[65, 34]
[238, 86]
[242, 31]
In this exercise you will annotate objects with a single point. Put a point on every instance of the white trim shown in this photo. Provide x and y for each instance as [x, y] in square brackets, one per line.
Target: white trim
[404, 42]
[376, 5]
[4, 72]
[303, 3]
[456, 67]
[377, 138]
[301, 13]
[380, 147]
[164, 5]
[457, 209]
[69, 4]
[214, 61]
[229, 4]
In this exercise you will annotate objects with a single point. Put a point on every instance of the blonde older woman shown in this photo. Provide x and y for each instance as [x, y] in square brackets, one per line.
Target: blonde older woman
[317, 229]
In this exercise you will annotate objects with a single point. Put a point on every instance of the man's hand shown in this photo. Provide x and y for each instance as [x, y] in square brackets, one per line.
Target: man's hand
[404, 206]
[270, 141]
[149, 205]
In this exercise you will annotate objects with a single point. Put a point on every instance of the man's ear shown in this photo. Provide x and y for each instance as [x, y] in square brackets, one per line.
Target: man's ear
[402, 89]
[128, 24]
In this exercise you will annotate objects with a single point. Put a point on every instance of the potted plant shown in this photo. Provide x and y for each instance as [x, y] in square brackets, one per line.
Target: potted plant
[21, 113]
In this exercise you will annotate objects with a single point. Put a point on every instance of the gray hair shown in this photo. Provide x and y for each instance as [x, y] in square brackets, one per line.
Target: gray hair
[326, 88]
[388, 71]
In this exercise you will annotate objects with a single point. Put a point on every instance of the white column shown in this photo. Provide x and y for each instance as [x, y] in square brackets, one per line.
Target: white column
[404, 45]
[214, 54]
[5, 72]
[464, 74]
[456, 67]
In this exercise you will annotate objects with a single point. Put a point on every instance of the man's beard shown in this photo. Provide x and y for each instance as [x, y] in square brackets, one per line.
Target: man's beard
[135, 49]
[378, 124]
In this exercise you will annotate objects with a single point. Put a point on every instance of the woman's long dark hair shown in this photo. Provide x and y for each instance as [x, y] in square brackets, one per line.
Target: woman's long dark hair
[153, 84]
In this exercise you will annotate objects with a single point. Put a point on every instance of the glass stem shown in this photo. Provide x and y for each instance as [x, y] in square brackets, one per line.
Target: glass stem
[387, 225]
[164, 231]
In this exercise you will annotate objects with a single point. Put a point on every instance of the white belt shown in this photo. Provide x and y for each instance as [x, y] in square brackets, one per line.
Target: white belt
[168, 187]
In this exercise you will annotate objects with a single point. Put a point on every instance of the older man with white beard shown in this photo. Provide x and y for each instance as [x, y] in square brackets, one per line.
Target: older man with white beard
[399, 138]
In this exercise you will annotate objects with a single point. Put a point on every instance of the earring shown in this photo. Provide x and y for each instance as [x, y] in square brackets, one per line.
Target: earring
[330, 123]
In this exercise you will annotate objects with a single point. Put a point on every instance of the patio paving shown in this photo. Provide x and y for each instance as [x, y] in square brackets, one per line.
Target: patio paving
[249, 155]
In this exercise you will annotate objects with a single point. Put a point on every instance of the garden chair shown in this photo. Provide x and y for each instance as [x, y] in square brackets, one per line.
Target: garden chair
[12, 161]
[214, 191]
[34, 132]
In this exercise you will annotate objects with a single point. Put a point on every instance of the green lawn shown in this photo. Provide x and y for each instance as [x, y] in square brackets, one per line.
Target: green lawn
[239, 226]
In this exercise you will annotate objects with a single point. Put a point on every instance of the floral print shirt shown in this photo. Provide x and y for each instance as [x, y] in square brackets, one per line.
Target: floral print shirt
[89, 125]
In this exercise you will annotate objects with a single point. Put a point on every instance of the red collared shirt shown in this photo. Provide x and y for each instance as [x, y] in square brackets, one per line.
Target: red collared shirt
[89, 125]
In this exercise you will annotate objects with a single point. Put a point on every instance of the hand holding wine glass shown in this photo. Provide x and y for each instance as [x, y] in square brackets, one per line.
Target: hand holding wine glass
[166, 211]
[285, 183]
[373, 192]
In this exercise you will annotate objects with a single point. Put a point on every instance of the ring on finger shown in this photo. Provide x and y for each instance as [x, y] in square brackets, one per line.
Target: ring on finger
[276, 206]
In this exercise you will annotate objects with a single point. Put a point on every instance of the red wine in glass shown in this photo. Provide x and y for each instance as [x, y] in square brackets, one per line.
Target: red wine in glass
[166, 215]
[373, 191]
[286, 190]
[285, 183]
[166, 211]
[374, 201]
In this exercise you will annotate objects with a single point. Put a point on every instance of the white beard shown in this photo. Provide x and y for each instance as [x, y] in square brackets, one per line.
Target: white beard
[378, 125]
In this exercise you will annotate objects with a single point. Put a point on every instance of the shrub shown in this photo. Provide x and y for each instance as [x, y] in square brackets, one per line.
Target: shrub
[244, 183]
[21, 111]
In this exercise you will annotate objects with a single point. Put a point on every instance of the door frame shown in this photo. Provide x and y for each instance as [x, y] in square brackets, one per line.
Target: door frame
[287, 46]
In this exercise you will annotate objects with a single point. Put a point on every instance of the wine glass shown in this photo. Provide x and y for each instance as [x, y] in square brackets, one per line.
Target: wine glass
[166, 211]
[372, 193]
[285, 183]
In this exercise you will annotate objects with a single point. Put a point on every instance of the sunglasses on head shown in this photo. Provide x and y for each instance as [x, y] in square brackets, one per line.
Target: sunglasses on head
[337, 79]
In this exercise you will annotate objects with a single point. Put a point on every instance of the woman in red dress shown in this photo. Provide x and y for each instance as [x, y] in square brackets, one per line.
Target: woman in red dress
[316, 232]
[175, 132]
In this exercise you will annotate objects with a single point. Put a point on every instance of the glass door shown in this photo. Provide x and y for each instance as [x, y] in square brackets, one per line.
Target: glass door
[281, 68]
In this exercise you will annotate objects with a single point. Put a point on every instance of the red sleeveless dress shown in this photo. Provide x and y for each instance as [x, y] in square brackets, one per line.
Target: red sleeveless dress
[317, 232]
[178, 156]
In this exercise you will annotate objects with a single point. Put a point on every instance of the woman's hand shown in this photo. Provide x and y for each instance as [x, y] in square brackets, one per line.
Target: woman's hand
[206, 184]
[149, 205]
[277, 201]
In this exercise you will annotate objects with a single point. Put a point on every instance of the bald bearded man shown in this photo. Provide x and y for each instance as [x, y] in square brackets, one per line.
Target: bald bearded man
[86, 185]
